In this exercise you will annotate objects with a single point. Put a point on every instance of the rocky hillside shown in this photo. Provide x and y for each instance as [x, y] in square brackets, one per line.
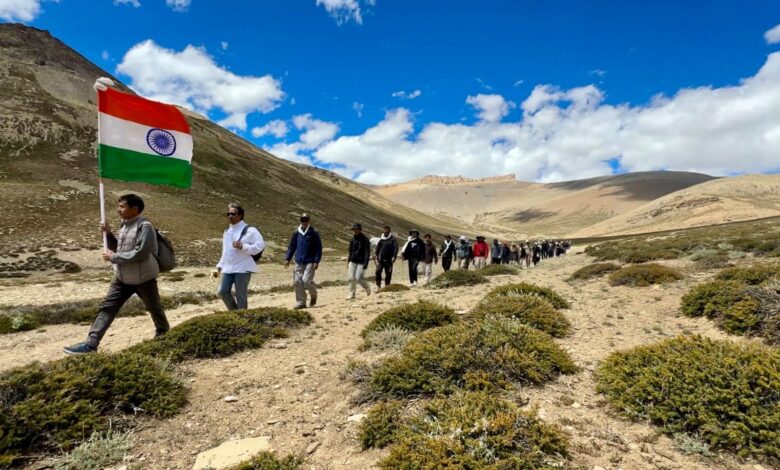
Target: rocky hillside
[49, 174]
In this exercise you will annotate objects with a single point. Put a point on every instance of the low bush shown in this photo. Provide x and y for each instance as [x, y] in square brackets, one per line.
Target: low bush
[724, 393]
[394, 288]
[474, 431]
[418, 316]
[497, 270]
[381, 424]
[457, 278]
[55, 406]
[389, 338]
[269, 461]
[753, 275]
[594, 270]
[718, 261]
[222, 334]
[644, 275]
[102, 450]
[522, 288]
[493, 353]
[529, 309]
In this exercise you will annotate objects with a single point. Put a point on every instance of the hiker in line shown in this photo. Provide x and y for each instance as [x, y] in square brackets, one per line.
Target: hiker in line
[413, 252]
[385, 255]
[464, 253]
[240, 244]
[480, 252]
[430, 257]
[537, 254]
[529, 254]
[447, 252]
[306, 246]
[357, 261]
[508, 254]
[135, 272]
[495, 252]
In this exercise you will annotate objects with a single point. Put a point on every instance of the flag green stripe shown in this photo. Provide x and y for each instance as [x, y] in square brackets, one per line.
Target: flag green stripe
[127, 165]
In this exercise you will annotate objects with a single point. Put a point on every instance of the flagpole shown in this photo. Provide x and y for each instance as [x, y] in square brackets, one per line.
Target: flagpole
[100, 180]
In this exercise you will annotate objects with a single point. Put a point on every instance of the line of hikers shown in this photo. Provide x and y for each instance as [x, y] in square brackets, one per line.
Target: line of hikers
[136, 255]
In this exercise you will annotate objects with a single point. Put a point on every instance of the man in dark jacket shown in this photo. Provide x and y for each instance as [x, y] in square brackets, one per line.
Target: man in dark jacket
[429, 257]
[357, 262]
[385, 255]
[414, 252]
[447, 252]
[495, 253]
[306, 246]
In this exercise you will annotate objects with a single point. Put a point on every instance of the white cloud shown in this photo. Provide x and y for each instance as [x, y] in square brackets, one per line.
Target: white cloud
[773, 35]
[358, 108]
[179, 5]
[597, 72]
[315, 134]
[407, 96]
[134, 3]
[105, 55]
[224, 45]
[191, 78]
[566, 134]
[518, 83]
[492, 108]
[19, 10]
[277, 128]
[344, 11]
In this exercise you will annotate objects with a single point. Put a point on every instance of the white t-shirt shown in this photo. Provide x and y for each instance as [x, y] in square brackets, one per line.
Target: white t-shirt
[240, 261]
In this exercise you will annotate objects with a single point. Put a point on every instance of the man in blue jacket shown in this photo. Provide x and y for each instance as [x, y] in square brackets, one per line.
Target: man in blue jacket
[306, 246]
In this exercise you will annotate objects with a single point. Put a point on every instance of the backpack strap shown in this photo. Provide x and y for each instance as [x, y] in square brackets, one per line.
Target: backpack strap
[243, 231]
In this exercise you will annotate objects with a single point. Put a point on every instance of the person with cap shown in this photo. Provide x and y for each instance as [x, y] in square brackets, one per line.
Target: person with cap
[413, 252]
[480, 251]
[384, 256]
[464, 252]
[447, 252]
[495, 252]
[357, 261]
[306, 246]
[430, 257]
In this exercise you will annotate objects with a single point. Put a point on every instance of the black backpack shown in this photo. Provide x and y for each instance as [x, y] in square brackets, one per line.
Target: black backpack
[165, 256]
[243, 232]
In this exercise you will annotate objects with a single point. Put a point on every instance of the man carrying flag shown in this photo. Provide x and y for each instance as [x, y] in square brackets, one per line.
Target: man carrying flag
[139, 140]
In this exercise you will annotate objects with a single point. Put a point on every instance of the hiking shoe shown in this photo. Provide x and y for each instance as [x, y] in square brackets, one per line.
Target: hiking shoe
[299, 307]
[158, 333]
[350, 297]
[368, 291]
[78, 349]
[313, 302]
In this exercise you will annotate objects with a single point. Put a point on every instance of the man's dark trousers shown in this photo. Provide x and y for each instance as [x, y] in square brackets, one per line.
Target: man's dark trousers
[118, 294]
[446, 262]
[413, 264]
[387, 267]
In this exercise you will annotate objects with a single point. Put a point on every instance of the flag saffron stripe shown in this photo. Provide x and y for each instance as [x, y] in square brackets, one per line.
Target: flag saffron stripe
[127, 165]
[142, 111]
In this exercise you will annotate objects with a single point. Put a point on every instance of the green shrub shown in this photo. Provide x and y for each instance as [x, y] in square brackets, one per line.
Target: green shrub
[522, 288]
[388, 338]
[269, 461]
[718, 261]
[380, 425]
[493, 353]
[53, 406]
[732, 306]
[497, 270]
[102, 450]
[222, 334]
[418, 316]
[394, 288]
[529, 309]
[594, 270]
[457, 278]
[644, 275]
[711, 299]
[475, 431]
[722, 392]
[753, 275]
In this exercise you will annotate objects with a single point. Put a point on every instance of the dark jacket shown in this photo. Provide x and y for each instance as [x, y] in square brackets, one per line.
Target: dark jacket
[306, 248]
[450, 252]
[387, 250]
[429, 253]
[415, 250]
[360, 250]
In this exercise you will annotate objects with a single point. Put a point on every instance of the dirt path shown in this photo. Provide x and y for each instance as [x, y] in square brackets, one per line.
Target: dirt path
[291, 390]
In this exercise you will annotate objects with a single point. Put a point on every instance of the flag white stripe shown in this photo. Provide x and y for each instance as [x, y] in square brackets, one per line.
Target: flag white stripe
[129, 135]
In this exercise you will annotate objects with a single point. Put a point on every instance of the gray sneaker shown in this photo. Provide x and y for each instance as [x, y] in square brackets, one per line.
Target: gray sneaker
[299, 306]
[78, 349]
[313, 302]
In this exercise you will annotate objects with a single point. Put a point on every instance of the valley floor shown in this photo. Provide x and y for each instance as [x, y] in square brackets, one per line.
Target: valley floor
[292, 390]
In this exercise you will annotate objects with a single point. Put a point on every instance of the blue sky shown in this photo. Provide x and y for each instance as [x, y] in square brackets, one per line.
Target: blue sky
[386, 90]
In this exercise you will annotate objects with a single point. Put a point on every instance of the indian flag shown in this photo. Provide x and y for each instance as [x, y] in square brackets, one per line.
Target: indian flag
[143, 140]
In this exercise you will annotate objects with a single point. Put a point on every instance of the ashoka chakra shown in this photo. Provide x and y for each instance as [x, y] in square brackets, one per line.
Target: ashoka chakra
[161, 141]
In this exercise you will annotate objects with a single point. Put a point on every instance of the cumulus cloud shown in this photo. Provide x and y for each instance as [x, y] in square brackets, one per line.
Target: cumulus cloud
[179, 5]
[407, 96]
[191, 78]
[358, 108]
[566, 134]
[134, 3]
[224, 45]
[492, 108]
[277, 128]
[313, 134]
[773, 35]
[20, 10]
[344, 11]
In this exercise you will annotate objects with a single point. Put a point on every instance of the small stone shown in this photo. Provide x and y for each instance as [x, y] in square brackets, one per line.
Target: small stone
[575, 405]
[276, 387]
[356, 418]
[313, 447]
[230, 399]
[231, 453]
[272, 421]
[279, 345]
[302, 364]
[599, 468]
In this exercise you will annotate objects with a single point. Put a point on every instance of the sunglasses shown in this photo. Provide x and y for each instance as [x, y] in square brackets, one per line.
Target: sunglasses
[231, 214]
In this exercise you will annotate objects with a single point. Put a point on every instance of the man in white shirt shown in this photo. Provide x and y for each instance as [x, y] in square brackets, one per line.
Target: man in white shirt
[239, 244]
